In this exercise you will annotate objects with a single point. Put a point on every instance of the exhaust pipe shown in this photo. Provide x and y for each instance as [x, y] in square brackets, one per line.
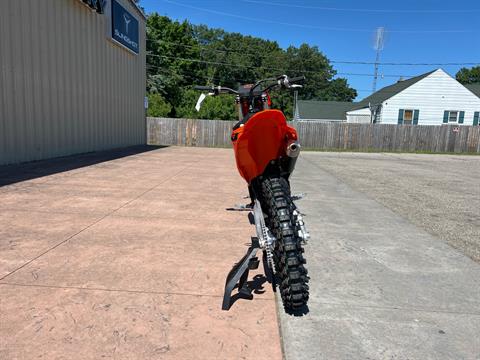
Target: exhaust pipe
[293, 149]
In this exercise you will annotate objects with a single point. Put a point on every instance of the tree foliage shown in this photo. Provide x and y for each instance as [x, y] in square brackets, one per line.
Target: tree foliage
[181, 55]
[170, 46]
[214, 107]
[157, 106]
[469, 76]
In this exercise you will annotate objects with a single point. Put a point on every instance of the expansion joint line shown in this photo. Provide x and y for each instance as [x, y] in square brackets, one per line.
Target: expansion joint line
[93, 224]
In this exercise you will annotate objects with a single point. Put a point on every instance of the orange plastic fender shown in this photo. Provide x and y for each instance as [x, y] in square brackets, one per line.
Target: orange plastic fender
[262, 139]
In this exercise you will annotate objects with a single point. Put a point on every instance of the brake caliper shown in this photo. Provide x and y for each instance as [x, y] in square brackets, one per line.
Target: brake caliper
[302, 230]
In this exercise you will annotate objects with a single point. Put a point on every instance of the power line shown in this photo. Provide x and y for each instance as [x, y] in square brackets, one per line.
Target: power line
[311, 26]
[261, 20]
[196, 77]
[408, 11]
[346, 62]
[226, 51]
[243, 81]
[270, 68]
[405, 64]
[210, 78]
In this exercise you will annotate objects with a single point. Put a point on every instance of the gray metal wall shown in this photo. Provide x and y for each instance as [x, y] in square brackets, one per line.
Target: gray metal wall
[65, 88]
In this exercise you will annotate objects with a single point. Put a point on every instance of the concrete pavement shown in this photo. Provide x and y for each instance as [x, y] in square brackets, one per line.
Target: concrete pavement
[126, 259]
[381, 287]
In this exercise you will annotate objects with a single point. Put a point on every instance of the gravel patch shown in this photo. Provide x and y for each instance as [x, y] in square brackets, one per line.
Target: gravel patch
[439, 193]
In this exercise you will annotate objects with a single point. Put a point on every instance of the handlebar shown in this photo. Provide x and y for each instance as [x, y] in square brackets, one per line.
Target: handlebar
[283, 81]
[298, 79]
[216, 90]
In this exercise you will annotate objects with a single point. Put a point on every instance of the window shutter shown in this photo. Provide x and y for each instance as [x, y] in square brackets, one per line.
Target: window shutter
[462, 117]
[475, 118]
[416, 114]
[445, 117]
[400, 117]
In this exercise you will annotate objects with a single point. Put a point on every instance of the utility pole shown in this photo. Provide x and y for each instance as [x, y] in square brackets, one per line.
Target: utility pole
[296, 114]
[378, 46]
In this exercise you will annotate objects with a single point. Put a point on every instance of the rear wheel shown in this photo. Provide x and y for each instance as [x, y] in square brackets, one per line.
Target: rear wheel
[289, 262]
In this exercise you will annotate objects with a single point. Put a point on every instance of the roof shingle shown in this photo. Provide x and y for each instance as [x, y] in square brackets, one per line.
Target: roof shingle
[474, 88]
[326, 110]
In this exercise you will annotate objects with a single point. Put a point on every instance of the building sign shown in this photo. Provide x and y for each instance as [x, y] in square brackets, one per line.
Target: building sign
[97, 5]
[124, 27]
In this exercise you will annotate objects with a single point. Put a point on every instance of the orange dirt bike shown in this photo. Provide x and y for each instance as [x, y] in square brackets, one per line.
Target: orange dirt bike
[266, 150]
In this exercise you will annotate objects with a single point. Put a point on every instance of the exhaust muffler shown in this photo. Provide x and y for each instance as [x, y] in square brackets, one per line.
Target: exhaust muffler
[293, 149]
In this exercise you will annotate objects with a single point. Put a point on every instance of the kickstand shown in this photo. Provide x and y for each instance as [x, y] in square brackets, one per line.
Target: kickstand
[239, 274]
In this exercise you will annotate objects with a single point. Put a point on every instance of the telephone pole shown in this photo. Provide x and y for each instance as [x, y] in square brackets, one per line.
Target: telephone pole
[296, 114]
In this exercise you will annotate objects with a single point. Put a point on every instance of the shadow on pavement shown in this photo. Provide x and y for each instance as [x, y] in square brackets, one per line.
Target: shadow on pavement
[304, 310]
[256, 287]
[10, 174]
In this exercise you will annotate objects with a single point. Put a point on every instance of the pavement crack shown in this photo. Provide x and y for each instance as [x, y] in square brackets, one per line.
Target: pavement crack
[152, 292]
[91, 225]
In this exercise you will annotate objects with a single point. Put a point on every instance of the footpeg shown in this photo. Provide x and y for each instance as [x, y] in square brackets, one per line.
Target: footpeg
[253, 263]
[240, 207]
[245, 292]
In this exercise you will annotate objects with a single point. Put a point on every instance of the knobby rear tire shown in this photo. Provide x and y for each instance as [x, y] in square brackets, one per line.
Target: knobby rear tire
[289, 261]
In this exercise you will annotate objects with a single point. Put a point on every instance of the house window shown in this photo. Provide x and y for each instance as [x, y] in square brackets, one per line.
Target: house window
[407, 117]
[452, 116]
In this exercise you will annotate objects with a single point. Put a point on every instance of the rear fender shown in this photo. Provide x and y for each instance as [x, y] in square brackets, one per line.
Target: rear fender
[262, 139]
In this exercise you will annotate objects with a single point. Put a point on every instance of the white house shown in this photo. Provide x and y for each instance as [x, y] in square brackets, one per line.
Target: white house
[433, 98]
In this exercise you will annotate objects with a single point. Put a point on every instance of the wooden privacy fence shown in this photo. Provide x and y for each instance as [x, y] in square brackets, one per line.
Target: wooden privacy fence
[326, 136]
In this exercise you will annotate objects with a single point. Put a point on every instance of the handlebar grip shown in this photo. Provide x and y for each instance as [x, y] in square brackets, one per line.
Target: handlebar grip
[298, 79]
[203, 88]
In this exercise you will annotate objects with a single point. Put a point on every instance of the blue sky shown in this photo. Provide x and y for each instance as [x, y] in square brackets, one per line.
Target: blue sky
[421, 31]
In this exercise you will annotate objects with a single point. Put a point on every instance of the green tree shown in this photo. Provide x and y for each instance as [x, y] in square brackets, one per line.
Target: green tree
[157, 106]
[170, 48]
[469, 76]
[181, 55]
[213, 107]
[320, 85]
[338, 90]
